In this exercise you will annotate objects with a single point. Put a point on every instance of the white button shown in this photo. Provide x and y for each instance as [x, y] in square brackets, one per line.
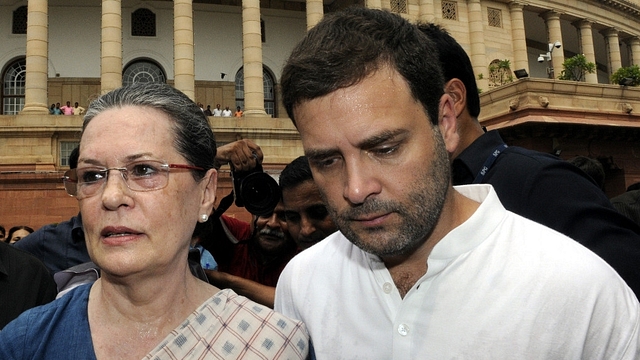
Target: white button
[403, 329]
[387, 287]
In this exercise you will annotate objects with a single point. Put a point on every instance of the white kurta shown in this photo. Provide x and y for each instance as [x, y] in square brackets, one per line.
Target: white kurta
[499, 286]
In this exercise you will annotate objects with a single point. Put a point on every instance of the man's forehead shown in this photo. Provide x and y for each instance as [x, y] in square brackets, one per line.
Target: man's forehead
[304, 190]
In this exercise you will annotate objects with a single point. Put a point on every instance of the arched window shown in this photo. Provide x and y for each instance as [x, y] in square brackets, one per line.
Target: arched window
[13, 85]
[268, 85]
[19, 25]
[143, 23]
[143, 71]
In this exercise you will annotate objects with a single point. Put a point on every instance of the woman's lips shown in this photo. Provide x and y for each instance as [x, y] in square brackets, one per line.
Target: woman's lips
[118, 235]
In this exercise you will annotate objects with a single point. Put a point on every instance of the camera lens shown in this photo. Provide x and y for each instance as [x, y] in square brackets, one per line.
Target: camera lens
[260, 193]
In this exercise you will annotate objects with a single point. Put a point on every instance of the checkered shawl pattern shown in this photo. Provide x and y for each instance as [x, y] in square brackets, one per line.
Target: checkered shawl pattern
[228, 326]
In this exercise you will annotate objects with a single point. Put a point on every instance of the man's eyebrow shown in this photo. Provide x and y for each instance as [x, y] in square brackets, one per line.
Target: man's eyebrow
[318, 154]
[380, 138]
[371, 142]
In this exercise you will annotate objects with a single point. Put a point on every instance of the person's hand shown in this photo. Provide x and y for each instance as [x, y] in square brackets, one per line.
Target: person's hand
[242, 155]
[217, 278]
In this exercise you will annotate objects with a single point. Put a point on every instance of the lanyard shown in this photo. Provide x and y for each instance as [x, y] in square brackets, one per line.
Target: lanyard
[489, 162]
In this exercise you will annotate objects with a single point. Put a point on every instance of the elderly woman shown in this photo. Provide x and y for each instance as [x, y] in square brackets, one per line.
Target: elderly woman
[145, 177]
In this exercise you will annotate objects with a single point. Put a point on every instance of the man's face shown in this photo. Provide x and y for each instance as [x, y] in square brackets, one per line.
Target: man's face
[307, 216]
[381, 165]
[271, 232]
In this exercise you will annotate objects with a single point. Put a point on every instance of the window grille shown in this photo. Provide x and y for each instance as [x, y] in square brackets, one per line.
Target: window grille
[449, 10]
[143, 23]
[65, 150]
[143, 72]
[13, 87]
[268, 86]
[495, 17]
[19, 25]
[399, 6]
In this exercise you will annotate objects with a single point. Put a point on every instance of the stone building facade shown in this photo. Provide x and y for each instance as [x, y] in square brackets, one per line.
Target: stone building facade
[230, 52]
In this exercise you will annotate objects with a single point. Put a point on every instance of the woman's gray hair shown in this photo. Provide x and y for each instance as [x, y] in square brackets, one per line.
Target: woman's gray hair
[194, 138]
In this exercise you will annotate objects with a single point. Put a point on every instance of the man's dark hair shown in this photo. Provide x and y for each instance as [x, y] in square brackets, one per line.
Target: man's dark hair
[295, 173]
[455, 63]
[347, 46]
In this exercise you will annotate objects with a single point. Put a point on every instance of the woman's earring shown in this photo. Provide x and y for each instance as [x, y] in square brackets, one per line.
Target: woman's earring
[204, 218]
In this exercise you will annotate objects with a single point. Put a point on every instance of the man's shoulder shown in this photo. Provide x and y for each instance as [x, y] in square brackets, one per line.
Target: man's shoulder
[328, 253]
[23, 260]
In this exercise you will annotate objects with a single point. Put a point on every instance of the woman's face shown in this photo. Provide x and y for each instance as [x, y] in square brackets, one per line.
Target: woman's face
[128, 231]
[17, 235]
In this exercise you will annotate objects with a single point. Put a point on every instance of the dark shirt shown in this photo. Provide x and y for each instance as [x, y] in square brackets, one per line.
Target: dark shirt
[237, 254]
[24, 283]
[628, 204]
[59, 246]
[59, 330]
[557, 194]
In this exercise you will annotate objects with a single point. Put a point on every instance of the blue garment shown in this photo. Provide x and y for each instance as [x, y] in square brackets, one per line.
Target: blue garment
[59, 246]
[206, 259]
[57, 330]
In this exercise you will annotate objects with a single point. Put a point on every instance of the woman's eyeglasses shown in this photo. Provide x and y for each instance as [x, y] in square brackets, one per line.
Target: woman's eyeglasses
[141, 175]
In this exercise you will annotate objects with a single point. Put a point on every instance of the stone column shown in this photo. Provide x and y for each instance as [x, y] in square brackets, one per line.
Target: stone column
[36, 77]
[476, 35]
[552, 19]
[613, 49]
[586, 46]
[252, 58]
[183, 63]
[373, 4]
[315, 12]
[634, 43]
[426, 10]
[519, 37]
[111, 51]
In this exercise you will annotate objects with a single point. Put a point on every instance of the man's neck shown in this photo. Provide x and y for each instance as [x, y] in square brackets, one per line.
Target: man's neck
[408, 269]
[469, 130]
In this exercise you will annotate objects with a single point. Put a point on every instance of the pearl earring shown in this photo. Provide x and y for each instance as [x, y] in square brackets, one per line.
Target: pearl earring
[204, 218]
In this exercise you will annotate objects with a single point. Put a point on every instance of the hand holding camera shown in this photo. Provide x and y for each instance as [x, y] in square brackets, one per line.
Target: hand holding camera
[254, 190]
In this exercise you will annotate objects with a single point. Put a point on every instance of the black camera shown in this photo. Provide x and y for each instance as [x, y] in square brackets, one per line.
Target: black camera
[256, 191]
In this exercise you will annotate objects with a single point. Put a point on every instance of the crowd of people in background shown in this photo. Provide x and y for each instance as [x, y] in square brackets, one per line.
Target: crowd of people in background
[76, 109]
[219, 112]
[452, 239]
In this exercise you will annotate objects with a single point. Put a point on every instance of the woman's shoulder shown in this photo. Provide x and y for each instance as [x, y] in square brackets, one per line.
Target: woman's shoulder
[233, 326]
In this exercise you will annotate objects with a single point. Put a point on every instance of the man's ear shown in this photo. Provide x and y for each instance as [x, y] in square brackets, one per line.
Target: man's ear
[210, 185]
[448, 123]
[456, 89]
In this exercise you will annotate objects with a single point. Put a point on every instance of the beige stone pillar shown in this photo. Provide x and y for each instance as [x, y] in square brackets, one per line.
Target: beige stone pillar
[373, 4]
[586, 46]
[426, 10]
[477, 48]
[111, 51]
[613, 49]
[386, 4]
[252, 58]
[183, 63]
[36, 77]
[552, 19]
[519, 37]
[634, 43]
[315, 12]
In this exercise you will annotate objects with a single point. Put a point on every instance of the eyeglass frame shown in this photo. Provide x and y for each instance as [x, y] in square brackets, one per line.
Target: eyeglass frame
[164, 166]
